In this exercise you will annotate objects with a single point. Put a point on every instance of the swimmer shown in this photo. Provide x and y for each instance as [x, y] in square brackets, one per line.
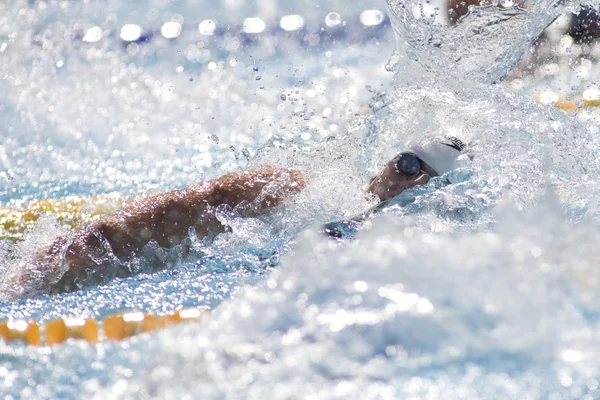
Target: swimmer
[167, 218]
[456, 9]
[415, 166]
[412, 167]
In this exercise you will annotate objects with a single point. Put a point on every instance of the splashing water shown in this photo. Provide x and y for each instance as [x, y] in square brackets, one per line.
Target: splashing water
[485, 288]
[483, 46]
[517, 148]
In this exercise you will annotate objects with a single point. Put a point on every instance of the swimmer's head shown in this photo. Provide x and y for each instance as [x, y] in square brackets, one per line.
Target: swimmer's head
[415, 166]
[440, 154]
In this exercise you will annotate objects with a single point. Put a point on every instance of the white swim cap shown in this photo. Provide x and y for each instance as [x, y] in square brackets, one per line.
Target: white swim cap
[440, 154]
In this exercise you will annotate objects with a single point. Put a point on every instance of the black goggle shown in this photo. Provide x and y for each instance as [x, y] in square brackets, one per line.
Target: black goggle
[408, 164]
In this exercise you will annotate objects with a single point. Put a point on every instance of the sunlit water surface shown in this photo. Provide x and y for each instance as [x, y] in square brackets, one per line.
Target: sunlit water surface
[485, 288]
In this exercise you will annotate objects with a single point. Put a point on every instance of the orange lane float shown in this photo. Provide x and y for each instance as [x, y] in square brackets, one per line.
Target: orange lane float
[113, 327]
[182, 315]
[121, 326]
[17, 329]
[59, 330]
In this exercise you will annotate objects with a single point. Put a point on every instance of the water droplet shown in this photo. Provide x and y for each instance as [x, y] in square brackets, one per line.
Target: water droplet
[258, 78]
[283, 97]
[214, 138]
[191, 78]
[255, 69]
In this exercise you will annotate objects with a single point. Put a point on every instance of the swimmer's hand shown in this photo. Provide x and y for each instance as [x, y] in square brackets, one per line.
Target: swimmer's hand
[166, 218]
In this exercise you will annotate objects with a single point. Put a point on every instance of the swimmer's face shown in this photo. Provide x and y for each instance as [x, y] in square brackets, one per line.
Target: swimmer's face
[391, 181]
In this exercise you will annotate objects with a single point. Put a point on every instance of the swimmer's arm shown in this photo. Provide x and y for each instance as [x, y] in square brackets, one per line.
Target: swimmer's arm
[167, 217]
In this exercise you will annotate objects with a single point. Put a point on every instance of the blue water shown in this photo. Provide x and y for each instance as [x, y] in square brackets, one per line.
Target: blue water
[484, 288]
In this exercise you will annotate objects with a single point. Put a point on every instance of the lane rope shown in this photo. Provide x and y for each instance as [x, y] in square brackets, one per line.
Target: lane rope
[71, 211]
[113, 327]
[575, 104]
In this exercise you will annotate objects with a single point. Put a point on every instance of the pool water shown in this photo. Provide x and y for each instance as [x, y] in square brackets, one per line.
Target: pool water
[484, 288]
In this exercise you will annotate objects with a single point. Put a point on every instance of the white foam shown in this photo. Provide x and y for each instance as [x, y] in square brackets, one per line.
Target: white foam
[460, 294]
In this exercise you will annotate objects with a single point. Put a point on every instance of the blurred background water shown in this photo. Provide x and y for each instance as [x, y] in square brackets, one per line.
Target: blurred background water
[485, 288]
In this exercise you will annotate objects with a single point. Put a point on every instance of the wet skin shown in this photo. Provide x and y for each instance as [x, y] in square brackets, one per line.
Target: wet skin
[166, 218]
[390, 182]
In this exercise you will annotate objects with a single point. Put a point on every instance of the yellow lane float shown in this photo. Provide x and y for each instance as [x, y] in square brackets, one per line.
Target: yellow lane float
[113, 327]
[580, 102]
[576, 104]
[72, 211]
